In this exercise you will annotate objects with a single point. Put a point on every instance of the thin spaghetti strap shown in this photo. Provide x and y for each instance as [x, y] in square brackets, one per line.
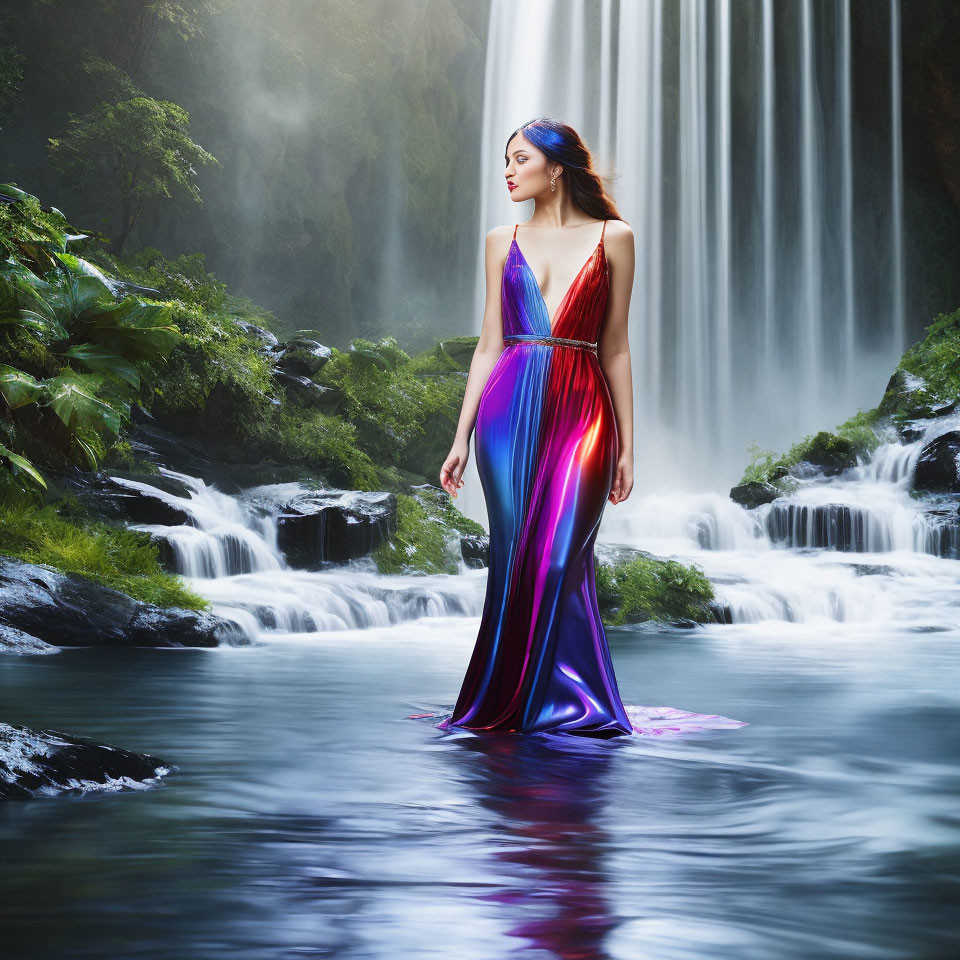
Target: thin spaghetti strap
[603, 230]
[515, 230]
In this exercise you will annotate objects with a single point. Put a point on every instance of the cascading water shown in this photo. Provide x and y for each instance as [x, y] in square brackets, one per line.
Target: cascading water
[757, 315]
[768, 299]
[228, 551]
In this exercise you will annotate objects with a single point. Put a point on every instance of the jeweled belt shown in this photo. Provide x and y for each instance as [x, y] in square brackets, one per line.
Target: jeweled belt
[554, 341]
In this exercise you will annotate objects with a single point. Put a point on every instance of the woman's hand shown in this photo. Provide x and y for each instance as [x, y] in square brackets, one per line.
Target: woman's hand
[453, 467]
[622, 478]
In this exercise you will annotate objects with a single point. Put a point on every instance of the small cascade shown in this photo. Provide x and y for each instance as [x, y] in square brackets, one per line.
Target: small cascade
[871, 507]
[858, 547]
[861, 547]
[223, 536]
[859, 517]
[228, 548]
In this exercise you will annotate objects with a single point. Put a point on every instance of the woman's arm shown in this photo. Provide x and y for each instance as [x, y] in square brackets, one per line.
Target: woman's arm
[613, 349]
[488, 350]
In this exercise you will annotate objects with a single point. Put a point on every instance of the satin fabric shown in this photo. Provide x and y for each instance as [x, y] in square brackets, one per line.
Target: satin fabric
[546, 445]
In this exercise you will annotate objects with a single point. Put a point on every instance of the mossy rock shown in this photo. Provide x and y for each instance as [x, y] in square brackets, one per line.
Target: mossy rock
[831, 452]
[427, 539]
[643, 588]
[385, 353]
[460, 350]
[926, 382]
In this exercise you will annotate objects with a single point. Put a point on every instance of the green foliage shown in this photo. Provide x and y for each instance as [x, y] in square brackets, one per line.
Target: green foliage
[928, 375]
[451, 355]
[438, 503]
[126, 560]
[216, 384]
[854, 441]
[121, 456]
[643, 589]
[427, 540]
[75, 352]
[320, 441]
[422, 543]
[30, 233]
[402, 419]
[128, 153]
[185, 278]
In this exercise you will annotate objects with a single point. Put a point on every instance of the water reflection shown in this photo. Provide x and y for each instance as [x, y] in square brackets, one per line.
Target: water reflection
[309, 817]
[548, 798]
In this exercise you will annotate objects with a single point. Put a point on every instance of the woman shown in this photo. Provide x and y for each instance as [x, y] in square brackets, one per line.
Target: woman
[551, 396]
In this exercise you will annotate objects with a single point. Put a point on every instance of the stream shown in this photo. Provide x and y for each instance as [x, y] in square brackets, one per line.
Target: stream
[310, 814]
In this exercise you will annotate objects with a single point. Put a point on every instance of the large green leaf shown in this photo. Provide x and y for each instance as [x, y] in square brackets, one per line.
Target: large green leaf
[77, 266]
[23, 464]
[79, 296]
[24, 318]
[102, 359]
[23, 300]
[73, 399]
[18, 388]
[138, 331]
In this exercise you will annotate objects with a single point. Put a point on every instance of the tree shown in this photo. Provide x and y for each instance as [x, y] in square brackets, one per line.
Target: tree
[131, 152]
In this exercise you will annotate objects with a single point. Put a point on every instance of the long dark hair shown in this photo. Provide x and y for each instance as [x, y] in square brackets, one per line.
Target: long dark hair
[560, 143]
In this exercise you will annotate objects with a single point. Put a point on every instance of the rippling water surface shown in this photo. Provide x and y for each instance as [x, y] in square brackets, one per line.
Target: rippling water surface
[309, 817]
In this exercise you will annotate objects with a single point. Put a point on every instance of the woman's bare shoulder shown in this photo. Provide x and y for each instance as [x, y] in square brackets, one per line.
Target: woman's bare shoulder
[618, 228]
[499, 241]
[497, 234]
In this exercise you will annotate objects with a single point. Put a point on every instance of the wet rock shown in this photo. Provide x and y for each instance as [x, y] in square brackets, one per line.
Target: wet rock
[14, 640]
[334, 526]
[475, 550]
[721, 611]
[116, 496]
[48, 762]
[938, 466]
[154, 443]
[752, 495]
[301, 356]
[68, 610]
[310, 393]
[264, 337]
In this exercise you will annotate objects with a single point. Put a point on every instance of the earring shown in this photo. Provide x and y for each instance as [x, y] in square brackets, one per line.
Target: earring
[553, 183]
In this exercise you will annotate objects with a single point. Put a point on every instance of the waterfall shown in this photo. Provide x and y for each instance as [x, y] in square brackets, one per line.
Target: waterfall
[227, 549]
[765, 305]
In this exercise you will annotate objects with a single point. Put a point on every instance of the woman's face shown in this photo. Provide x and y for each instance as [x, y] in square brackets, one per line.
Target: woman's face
[528, 171]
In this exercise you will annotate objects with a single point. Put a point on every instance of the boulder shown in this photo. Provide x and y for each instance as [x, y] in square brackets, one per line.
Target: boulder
[38, 763]
[334, 526]
[475, 550]
[107, 498]
[68, 610]
[265, 337]
[753, 494]
[938, 466]
[310, 393]
[301, 356]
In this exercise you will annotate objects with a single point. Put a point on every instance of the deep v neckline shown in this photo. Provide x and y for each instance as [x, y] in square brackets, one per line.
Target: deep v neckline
[552, 321]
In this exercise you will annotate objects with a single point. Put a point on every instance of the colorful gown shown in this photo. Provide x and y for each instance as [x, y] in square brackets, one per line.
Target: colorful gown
[546, 446]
